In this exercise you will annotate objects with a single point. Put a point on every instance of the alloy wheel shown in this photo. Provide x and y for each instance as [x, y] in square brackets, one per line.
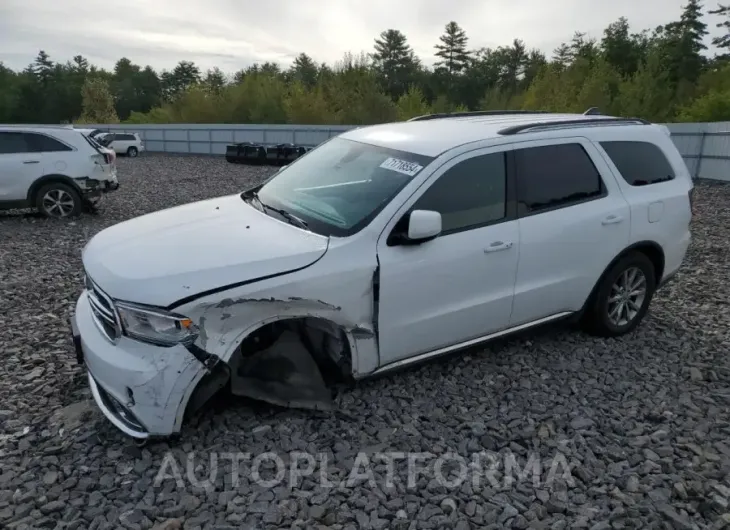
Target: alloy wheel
[58, 203]
[627, 297]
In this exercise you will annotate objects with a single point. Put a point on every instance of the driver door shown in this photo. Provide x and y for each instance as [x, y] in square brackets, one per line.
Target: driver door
[459, 286]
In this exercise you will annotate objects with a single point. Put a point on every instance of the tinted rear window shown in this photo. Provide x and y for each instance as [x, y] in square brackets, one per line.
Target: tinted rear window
[555, 176]
[640, 163]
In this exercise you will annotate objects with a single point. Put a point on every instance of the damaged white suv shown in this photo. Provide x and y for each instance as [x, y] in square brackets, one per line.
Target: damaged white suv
[384, 246]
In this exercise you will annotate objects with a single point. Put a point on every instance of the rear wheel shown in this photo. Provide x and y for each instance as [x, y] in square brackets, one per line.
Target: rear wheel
[622, 298]
[58, 200]
[132, 152]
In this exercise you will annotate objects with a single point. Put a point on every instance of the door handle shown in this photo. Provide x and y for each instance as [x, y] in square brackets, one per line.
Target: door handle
[31, 162]
[612, 219]
[497, 246]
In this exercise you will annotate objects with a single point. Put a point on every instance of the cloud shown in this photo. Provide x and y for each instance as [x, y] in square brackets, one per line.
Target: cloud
[232, 34]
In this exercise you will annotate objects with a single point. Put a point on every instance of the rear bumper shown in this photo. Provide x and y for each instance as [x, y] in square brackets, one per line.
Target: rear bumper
[96, 188]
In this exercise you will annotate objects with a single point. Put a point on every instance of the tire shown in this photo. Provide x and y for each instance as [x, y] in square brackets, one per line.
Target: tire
[132, 152]
[604, 317]
[58, 200]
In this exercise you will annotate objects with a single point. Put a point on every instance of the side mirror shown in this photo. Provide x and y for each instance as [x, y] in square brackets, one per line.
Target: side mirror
[415, 228]
[424, 225]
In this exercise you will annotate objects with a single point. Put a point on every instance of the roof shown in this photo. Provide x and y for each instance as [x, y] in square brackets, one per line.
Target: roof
[434, 136]
[35, 126]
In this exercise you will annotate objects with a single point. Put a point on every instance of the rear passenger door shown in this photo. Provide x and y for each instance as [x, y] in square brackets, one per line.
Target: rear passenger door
[657, 193]
[573, 221]
[19, 166]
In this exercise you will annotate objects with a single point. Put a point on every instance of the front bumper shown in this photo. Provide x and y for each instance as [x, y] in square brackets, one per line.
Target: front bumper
[142, 389]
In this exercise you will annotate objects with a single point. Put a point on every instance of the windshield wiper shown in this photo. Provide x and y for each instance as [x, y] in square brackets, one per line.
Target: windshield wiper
[291, 218]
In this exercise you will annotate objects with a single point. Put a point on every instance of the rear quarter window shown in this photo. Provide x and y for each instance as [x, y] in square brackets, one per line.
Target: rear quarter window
[639, 163]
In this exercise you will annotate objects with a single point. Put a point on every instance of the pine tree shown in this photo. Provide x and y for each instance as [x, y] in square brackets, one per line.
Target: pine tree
[683, 42]
[304, 70]
[453, 49]
[43, 67]
[562, 56]
[723, 41]
[394, 61]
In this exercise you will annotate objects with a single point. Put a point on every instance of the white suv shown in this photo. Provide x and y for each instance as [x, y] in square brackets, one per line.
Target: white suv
[56, 169]
[382, 247]
[129, 144]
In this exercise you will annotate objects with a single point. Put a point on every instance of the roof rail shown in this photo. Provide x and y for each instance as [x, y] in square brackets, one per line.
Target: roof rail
[475, 113]
[593, 111]
[572, 123]
[38, 125]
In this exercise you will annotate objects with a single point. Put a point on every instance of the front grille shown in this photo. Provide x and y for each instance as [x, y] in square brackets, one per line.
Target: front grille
[103, 311]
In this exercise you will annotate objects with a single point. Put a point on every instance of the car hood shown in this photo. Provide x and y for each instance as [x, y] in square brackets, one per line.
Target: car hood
[162, 257]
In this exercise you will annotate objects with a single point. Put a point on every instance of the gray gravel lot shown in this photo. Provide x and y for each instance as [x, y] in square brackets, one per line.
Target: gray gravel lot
[643, 421]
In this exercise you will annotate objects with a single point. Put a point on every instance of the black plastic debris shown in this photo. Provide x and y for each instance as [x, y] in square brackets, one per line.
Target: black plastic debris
[251, 153]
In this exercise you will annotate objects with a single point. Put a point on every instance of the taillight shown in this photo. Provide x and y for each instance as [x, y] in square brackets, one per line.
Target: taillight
[103, 158]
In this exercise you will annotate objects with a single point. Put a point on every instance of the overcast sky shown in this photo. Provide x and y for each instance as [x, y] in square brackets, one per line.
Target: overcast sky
[232, 34]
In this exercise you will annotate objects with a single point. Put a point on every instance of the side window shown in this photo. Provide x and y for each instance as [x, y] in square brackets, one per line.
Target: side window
[40, 143]
[640, 163]
[554, 176]
[125, 137]
[470, 194]
[13, 142]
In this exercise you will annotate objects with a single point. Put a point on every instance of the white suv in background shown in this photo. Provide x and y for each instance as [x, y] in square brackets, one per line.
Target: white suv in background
[385, 246]
[56, 169]
[129, 144]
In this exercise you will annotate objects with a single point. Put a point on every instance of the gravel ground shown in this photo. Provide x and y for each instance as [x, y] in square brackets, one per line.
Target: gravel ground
[642, 421]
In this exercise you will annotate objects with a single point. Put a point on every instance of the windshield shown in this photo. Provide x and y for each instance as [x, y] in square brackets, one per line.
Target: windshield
[340, 186]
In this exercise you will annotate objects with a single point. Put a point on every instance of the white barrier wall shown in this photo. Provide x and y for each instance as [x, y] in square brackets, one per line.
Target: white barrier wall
[704, 146]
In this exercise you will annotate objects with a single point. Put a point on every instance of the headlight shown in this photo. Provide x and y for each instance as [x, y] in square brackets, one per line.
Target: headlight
[156, 326]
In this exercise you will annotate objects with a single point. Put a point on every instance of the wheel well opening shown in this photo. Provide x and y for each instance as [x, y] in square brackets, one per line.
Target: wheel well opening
[324, 340]
[655, 255]
[649, 249]
[49, 179]
[295, 362]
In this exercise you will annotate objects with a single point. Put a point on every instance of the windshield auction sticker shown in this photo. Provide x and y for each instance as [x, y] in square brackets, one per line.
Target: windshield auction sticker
[401, 166]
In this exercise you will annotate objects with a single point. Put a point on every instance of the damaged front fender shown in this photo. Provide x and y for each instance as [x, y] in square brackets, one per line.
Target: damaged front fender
[286, 350]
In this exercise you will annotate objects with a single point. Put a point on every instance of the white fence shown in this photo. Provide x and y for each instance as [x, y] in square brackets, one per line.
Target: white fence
[704, 146]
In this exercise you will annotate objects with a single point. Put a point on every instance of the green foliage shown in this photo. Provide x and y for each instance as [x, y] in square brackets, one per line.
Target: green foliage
[648, 93]
[713, 106]
[412, 104]
[309, 106]
[661, 75]
[97, 102]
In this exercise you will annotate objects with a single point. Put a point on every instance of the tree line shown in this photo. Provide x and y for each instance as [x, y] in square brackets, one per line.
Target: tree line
[664, 74]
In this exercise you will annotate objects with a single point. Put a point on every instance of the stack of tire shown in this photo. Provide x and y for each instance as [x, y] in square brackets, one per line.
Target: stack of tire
[257, 154]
